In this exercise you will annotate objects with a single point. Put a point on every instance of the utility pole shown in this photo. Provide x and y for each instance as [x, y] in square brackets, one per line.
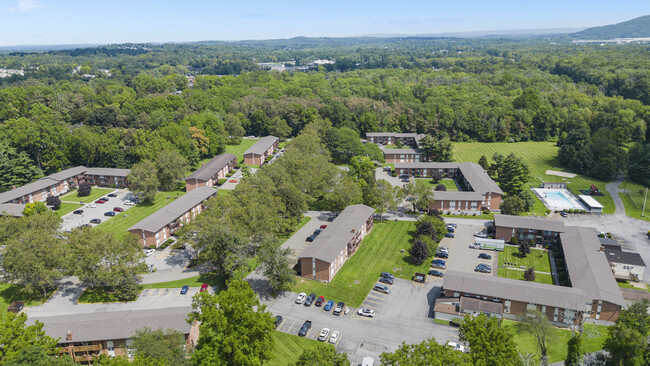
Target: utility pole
[644, 201]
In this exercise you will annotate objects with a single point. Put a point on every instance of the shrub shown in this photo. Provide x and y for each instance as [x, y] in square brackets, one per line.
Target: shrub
[441, 187]
[221, 181]
[84, 189]
[152, 246]
[229, 175]
[394, 174]
[456, 322]
[431, 244]
[486, 211]
[53, 201]
[514, 240]
[529, 274]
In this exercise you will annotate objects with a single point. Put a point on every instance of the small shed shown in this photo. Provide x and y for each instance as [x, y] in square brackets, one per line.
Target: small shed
[553, 185]
[491, 244]
[590, 203]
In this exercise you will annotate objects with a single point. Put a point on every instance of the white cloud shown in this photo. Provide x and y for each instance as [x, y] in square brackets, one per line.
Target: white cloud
[24, 6]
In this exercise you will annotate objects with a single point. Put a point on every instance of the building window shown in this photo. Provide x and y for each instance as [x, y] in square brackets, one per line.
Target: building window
[530, 306]
[506, 307]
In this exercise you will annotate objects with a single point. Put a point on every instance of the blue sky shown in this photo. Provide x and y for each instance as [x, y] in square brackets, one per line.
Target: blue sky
[42, 22]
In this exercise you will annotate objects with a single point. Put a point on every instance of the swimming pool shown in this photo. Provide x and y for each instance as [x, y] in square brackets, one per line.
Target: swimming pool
[558, 199]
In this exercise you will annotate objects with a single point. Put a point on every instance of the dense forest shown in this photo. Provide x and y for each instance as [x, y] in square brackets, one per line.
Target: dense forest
[116, 105]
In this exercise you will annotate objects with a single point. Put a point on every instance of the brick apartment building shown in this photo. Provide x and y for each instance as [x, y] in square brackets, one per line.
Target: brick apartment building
[391, 138]
[209, 173]
[257, 154]
[540, 230]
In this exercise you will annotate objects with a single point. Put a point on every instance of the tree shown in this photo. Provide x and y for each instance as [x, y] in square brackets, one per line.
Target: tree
[417, 194]
[84, 189]
[386, 197]
[53, 201]
[639, 163]
[419, 252]
[16, 168]
[510, 172]
[277, 266]
[165, 347]
[514, 240]
[491, 344]
[18, 339]
[438, 224]
[524, 248]
[233, 127]
[483, 162]
[171, 167]
[441, 187]
[426, 228]
[436, 150]
[34, 208]
[627, 340]
[322, 356]
[38, 356]
[236, 329]
[428, 353]
[512, 205]
[529, 274]
[436, 177]
[143, 180]
[537, 325]
[575, 352]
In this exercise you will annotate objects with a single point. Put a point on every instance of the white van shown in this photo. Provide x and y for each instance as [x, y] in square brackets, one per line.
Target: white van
[368, 361]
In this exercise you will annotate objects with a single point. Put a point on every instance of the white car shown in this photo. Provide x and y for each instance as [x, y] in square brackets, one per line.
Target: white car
[324, 334]
[456, 346]
[91, 205]
[443, 249]
[149, 252]
[366, 312]
[334, 337]
[481, 234]
[301, 298]
[475, 246]
[129, 203]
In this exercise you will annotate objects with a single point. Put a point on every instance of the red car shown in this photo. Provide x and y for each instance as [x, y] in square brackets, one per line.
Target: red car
[323, 226]
[320, 301]
[204, 287]
[118, 209]
[100, 201]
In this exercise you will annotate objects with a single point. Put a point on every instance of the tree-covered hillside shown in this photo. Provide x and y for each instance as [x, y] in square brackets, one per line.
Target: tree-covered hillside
[634, 28]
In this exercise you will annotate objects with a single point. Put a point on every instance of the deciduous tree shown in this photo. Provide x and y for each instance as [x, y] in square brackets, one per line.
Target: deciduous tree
[322, 356]
[386, 197]
[627, 341]
[21, 342]
[537, 325]
[143, 180]
[575, 352]
[428, 353]
[511, 172]
[34, 208]
[529, 274]
[84, 189]
[53, 201]
[276, 266]
[419, 252]
[436, 149]
[491, 344]
[512, 205]
[166, 347]
[16, 168]
[171, 167]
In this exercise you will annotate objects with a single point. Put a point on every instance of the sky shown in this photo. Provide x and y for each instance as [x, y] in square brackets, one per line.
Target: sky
[50, 22]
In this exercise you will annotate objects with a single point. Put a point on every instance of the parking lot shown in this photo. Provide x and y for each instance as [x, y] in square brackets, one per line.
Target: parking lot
[461, 256]
[170, 259]
[71, 220]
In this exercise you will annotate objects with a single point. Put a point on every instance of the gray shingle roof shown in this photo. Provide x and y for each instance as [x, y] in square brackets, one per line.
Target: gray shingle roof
[400, 151]
[473, 173]
[588, 267]
[174, 210]
[425, 165]
[615, 254]
[27, 189]
[262, 145]
[68, 173]
[113, 172]
[506, 288]
[393, 134]
[457, 196]
[12, 209]
[209, 169]
[338, 234]
[535, 223]
[114, 325]
[478, 305]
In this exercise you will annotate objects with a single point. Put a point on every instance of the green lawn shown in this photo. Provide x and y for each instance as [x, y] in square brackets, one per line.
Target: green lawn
[10, 293]
[99, 295]
[537, 258]
[288, 347]
[66, 208]
[633, 198]
[519, 275]
[594, 336]
[626, 284]
[95, 193]
[197, 281]
[124, 220]
[378, 252]
[241, 148]
[540, 156]
[449, 183]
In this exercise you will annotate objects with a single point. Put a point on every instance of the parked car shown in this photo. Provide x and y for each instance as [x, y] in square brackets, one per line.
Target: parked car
[105, 199]
[129, 203]
[386, 280]
[310, 299]
[443, 249]
[149, 252]
[334, 337]
[150, 268]
[475, 246]
[450, 228]
[450, 235]
[564, 214]
[456, 346]
[320, 301]
[405, 180]
[436, 273]
[387, 168]
[387, 275]
[440, 254]
[340, 307]
[485, 256]
[16, 307]
[323, 226]
[480, 234]
[96, 221]
[99, 201]
[91, 205]
[484, 265]
[439, 263]
[328, 306]
[78, 212]
[482, 269]
[305, 328]
[452, 225]
[278, 321]
[112, 195]
[301, 298]
[324, 334]
[184, 289]
[381, 288]
[366, 312]
[109, 213]
[311, 238]
[118, 209]
[204, 287]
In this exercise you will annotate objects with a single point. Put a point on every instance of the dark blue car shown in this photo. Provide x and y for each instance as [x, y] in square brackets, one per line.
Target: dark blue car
[184, 289]
[329, 305]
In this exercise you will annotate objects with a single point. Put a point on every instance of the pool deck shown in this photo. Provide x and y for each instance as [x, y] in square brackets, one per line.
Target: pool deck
[558, 199]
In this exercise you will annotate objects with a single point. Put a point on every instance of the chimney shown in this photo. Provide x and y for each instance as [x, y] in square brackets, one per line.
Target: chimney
[68, 336]
[13, 186]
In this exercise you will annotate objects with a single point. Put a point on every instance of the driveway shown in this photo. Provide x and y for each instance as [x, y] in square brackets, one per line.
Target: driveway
[71, 221]
[613, 190]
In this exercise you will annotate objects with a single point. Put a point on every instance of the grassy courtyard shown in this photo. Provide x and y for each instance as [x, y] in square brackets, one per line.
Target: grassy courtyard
[124, 220]
[540, 157]
[633, 197]
[449, 183]
[95, 193]
[537, 259]
[378, 252]
[288, 347]
[519, 275]
[241, 148]
[66, 208]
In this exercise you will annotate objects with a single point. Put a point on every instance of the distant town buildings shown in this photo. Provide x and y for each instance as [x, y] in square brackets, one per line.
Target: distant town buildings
[5, 73]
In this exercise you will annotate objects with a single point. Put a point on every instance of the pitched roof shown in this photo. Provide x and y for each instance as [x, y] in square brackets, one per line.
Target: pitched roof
[392, 134]
[113, 172]
[262, 145]
[67, 173]
[27, 189]
[426, 165]
[588, 267]
[478, 305]
[535, 223]
[209, 169]
[524, 291]
[457, 196]
[12, 209]
[174, 210]
[329, 244]
[474, 174]
[114, 325]
[615, 254]
[400, 151]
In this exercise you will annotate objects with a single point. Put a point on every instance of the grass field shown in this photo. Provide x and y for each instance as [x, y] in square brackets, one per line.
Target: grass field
[540, 156]
[122, 221]
[633, 198]
[66, 208]
[519, 275]
[449, 183]
[10, 293]
[626, 284]
[98, 295]
[241, 148]
[378, 252]
[197, 281]
[537, 258]
[288, 347]
[95, 193]
[594, 336]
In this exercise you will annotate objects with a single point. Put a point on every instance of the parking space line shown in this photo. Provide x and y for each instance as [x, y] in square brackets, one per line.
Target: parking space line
[291, 326]
[378, 301]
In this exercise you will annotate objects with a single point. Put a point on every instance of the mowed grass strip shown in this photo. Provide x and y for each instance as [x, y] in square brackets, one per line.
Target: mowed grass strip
[537, 258]
[540, 157]
[124, 220]
[10, 293]
[67, 207]
[288, 347]
[450, 184]
[197, 281]
[95, 193]
[378, 252]
[519, 275]
[633, 197]
[240, 149]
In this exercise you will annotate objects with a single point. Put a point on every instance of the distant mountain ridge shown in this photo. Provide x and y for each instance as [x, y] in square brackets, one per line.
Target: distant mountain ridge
[634, 28]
